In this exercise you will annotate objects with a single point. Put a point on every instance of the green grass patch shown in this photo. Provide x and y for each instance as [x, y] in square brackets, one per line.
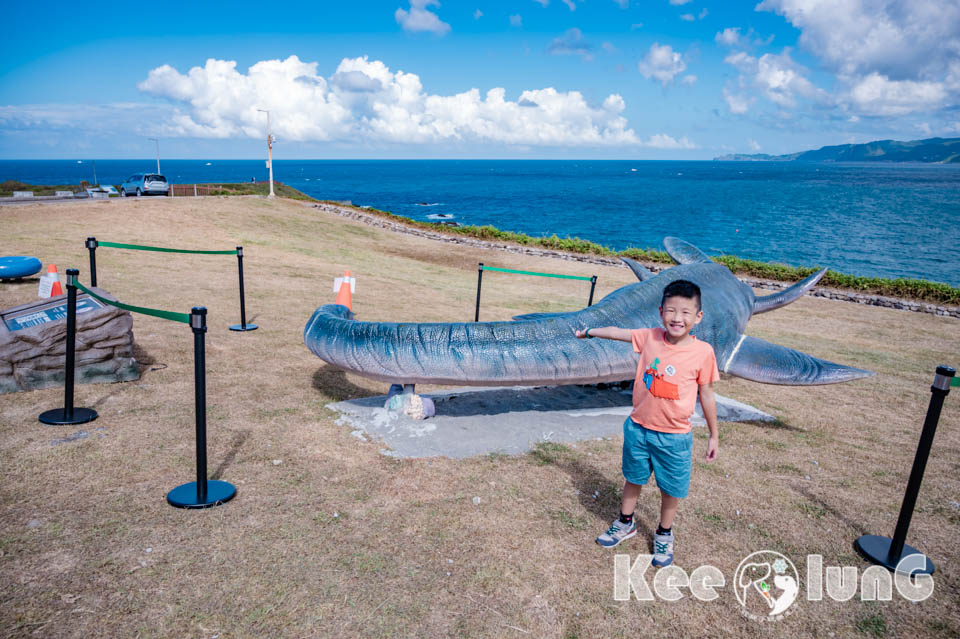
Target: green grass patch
[549, 452]
[569, 520]
[258, 188]
[9, 186]
[874, 625]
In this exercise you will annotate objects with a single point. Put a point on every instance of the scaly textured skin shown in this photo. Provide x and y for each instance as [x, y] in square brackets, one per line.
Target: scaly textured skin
[544, 350]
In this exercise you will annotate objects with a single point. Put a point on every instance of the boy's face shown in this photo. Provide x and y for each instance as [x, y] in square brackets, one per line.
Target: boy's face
[679, 315]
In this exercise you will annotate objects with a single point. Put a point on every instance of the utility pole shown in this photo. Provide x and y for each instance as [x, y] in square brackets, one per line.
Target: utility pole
[158, 152]
[269, 150]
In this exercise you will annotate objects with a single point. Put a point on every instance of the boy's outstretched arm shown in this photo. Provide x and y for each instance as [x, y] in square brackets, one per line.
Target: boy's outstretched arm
[606, 332]
[709, 404]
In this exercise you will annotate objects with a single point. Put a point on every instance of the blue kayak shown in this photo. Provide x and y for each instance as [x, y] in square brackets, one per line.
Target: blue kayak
[14, 266]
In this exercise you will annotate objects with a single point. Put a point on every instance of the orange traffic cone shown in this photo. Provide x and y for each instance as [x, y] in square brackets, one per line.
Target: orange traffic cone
[345, 290]
[55, 288]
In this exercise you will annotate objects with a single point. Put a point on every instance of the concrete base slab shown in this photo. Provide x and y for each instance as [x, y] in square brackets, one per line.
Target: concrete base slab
[508, 420]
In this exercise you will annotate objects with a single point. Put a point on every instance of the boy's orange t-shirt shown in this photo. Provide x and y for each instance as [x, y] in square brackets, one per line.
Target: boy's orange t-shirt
[668, 379]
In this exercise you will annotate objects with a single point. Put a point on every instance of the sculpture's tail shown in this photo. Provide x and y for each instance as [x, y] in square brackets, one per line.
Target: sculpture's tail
[761, 361]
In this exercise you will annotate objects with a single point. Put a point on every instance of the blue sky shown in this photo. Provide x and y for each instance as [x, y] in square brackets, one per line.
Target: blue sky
[630, 79]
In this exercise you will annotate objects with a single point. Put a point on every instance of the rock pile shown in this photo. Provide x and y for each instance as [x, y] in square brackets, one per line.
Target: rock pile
[34, 357]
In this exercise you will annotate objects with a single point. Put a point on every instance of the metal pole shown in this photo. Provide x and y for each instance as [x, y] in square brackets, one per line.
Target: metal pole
[198, 322]
[92, 245]
[68, 414]
[889, 552]
[242, 326]
[476, 316]
[158, 152]
[593, 285]
[202, 493]
[939, 390]
[269, 150]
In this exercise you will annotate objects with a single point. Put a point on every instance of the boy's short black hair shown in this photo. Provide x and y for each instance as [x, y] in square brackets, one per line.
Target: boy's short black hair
[681, 288]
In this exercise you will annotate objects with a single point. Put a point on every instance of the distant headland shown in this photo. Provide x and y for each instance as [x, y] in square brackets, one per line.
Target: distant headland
[937, 150]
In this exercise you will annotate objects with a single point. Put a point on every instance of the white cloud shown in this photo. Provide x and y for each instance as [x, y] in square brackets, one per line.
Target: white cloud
[93, 119]
[664, 141]
[365, 102]
[890, 57]
[876, 94]
[729, 36]
[738, 104]
[687, 17]
[571, 43]
[477, 14]
[662, 64]
[516, 20]
[777, 77]
[623, 4]
[754, 145]
[703, 13]
[419, 18]
[570, 4]
[678, 3]
[542, 3]
[689, 80]
[608, 47]
[902, 39]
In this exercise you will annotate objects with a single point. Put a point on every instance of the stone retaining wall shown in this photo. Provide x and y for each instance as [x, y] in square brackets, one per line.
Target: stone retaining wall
[817, 291]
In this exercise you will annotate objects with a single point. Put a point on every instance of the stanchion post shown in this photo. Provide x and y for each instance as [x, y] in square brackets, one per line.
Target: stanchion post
[68, 414]
[242, 326]
[476, 315]
[593, 286]
[92, 245]
[889, 552]
[202, 493]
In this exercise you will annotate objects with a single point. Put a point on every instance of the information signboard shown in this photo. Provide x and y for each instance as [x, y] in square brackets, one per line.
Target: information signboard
[49, 312]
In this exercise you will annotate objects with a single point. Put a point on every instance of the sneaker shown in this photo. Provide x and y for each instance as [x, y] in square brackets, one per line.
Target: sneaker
[662, 550]
[617, 532]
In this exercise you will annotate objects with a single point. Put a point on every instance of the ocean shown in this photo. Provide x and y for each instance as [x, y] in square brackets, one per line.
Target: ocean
[886, 220]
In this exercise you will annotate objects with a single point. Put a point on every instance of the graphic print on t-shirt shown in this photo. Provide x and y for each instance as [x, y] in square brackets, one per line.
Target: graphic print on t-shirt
[659, 387]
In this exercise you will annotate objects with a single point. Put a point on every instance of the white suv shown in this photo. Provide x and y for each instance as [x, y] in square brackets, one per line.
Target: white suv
[145, 184]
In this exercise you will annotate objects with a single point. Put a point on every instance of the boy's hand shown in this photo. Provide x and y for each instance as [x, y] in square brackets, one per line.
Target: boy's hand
[713, 446]
[580, 332]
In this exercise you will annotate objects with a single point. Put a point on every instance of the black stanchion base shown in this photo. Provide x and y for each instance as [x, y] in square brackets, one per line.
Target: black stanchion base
[185, 496]
[874, 548]
[243, 327]
[58, 416]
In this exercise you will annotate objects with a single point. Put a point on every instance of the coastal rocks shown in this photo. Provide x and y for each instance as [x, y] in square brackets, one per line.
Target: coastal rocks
[34, 357]
[834, 294]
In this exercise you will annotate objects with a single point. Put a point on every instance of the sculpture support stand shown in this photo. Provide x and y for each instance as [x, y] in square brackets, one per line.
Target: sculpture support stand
[889, 552]
[68, 414]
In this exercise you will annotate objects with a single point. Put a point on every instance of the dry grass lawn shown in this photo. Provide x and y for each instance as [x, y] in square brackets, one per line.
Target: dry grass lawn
[329, 538]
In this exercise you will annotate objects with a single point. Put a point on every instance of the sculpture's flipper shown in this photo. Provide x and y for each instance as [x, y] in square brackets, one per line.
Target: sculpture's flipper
[685, 252]
[761, 361]
[642, 272]
[787, 295]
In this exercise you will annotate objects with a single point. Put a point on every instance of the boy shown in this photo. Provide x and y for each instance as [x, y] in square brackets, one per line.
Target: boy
[657, 437]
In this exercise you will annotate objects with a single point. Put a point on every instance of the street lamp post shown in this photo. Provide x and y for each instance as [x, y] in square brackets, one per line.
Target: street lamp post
[269, 150]
[158, 152]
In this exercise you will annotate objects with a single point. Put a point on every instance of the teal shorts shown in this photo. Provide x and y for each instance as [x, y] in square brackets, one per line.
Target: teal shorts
[668, 456]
